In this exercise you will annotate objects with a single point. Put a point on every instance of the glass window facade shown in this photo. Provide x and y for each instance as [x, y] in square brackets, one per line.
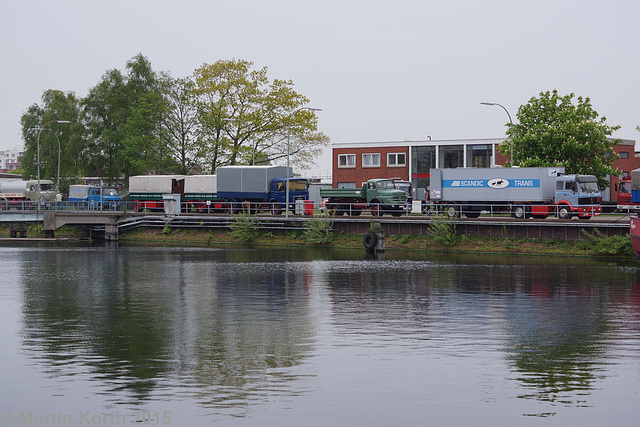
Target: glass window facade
[451, 156]
[479, 156]
[422, 160]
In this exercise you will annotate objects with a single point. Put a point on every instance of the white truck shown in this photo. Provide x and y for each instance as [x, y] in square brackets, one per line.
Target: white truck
[18, 193]
[525, 192]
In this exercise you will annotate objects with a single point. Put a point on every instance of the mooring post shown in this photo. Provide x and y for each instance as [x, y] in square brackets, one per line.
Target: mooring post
[373, 241]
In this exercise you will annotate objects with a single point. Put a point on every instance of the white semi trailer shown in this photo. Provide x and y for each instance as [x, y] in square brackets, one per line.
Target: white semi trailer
[525, 192]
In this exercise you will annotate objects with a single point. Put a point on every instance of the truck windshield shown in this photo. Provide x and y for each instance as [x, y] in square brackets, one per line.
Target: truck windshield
[110, 192]
[46, 187]
[589, 187]
[385, 185]
[297, 184]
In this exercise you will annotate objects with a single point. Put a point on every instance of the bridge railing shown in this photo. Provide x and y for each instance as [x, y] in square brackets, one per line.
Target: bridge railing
[30, 206]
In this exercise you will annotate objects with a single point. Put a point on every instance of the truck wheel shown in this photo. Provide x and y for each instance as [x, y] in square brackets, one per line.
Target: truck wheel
[275, 209]
[370, 240]
[452, 211]
[356, 212]
[137, 206]
[472, 214]
[376, 209]
[564, 212]
[519, 212]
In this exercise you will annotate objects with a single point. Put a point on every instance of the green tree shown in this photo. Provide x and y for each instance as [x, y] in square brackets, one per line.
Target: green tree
[553, 131]
[181, 130]
[245, 116]
[122, 113]
[63, 142]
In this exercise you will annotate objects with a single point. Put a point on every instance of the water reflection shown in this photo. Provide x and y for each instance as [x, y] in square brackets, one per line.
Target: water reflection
[226, 330]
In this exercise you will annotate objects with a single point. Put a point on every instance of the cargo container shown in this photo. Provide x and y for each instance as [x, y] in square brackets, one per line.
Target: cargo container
[525, 192]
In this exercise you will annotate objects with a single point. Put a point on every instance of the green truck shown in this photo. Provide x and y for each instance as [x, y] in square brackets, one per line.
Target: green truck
[378, 195]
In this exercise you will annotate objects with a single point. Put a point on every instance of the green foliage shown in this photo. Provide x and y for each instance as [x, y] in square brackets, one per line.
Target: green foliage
[242, 115]
[167, 229]
[553, 131]
[139, 121]
[599, 244]
[443, 231]
[62, 141]
[245, 227]
[319, 230]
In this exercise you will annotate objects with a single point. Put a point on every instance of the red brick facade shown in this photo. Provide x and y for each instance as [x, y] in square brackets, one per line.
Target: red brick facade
[349, 168]
[359, 173]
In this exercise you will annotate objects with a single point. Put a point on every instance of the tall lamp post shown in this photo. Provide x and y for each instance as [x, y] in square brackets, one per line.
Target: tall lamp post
[286, 201]
[510, 126]
[40, 129]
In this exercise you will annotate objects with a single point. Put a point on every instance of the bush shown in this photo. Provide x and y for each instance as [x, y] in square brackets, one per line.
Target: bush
[319, 230]
[443, 231]
[245, 228]
[599, 244]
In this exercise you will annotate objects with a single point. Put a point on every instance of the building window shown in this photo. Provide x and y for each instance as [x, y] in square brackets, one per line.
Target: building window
[371, 160]
[396, 159]
[479, 156]
[346, 160]
[451, 156]
[624, 154]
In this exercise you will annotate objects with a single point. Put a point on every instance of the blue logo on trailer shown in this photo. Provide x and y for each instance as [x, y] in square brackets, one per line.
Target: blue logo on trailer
[496, 183]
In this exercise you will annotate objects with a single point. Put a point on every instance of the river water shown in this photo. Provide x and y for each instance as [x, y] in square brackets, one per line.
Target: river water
[127, 335]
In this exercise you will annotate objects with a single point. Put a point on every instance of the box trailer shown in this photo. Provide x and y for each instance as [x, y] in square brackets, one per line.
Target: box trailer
[525, 192]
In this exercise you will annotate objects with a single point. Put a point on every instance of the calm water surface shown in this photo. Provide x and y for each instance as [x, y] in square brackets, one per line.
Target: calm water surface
[123, 335]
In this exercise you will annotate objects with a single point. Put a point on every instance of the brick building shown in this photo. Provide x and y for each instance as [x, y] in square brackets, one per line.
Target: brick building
[355, 163]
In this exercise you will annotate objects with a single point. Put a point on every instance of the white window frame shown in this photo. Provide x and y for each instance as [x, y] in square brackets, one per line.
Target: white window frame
[394, 164]
[370, 164]
[347, 157]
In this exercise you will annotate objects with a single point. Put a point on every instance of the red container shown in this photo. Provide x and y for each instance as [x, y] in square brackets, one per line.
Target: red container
[308, 207]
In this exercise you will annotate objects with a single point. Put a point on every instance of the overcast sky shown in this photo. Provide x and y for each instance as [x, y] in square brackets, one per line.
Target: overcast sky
[380, 70]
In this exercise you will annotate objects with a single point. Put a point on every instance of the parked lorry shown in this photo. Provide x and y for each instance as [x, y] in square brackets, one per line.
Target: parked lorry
[17, 193]
[525, 192]
[146, 191]
[378, 195]
[629, 192]
[258, 188]
[94, 196]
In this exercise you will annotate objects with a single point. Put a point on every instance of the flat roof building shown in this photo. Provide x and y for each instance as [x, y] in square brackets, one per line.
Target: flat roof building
[356, 162]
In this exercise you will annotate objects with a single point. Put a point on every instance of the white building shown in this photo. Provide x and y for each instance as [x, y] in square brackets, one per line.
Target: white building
[10, 160]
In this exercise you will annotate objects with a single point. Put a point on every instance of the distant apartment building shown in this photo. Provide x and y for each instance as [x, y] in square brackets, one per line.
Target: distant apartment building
[10, 160]
[354, 163]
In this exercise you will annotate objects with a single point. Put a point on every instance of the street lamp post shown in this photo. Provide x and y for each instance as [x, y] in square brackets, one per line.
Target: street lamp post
[286, 201]
[510, 126]
[38, 158]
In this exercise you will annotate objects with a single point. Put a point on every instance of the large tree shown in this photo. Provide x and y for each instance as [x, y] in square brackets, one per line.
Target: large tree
[180, 127]
[244, 116]
[122, 113]
[553, 131]
[60, 145]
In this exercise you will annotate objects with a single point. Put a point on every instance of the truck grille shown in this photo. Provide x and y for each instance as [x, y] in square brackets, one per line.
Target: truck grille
[398, 199]
[587, 201]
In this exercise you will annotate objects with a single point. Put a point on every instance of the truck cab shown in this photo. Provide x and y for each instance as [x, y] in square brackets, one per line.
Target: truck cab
[382, 195]
[407, 187]
[577, 194]
[95, 196]
[298, 190]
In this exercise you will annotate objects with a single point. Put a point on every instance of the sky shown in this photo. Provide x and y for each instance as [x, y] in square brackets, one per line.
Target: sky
[380, 70]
